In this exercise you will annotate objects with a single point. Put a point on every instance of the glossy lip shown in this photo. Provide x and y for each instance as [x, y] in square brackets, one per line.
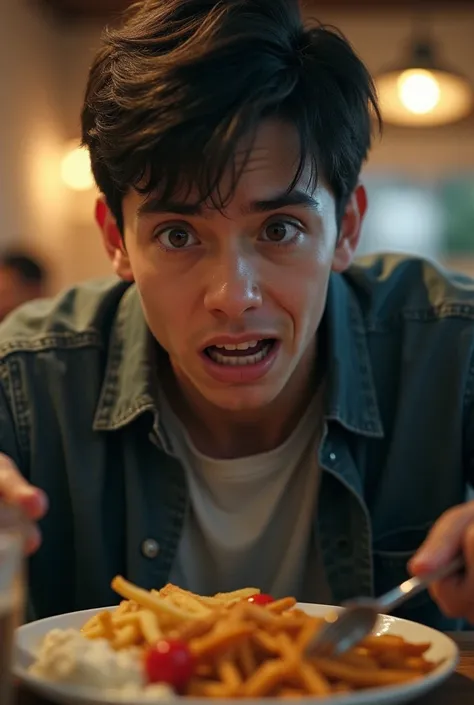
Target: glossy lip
[229, 374]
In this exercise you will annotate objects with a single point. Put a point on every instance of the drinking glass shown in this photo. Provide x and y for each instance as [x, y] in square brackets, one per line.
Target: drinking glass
[12, 590]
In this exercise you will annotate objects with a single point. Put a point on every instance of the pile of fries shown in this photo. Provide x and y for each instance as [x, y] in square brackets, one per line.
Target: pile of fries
[246, 650]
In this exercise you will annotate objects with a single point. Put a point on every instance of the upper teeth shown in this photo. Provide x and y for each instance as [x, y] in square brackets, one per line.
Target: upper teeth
[239, 346]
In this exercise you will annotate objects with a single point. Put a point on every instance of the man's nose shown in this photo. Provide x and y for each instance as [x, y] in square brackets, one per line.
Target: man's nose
[233, 286]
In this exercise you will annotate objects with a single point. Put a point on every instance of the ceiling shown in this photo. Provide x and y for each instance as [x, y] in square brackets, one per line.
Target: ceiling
[100, 9]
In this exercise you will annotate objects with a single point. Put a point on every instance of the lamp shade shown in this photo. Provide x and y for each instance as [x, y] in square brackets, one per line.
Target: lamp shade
[423, 93]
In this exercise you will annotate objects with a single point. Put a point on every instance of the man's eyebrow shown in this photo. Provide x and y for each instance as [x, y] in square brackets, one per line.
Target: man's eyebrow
[155, 205]
[284, 200]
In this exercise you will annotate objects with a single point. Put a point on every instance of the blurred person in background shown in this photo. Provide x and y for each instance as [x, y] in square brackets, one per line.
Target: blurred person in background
[22, 279]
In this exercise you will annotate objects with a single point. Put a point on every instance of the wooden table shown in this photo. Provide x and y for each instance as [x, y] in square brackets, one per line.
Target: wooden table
[458, 690]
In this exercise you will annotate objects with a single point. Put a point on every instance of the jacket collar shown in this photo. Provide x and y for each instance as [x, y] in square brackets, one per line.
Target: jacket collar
[130, 382]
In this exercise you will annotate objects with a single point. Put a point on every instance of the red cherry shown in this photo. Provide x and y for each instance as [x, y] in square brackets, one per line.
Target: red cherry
[261, 599]
[171, 662]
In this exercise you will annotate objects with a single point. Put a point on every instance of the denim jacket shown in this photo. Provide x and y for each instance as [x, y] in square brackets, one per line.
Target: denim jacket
[78, 415]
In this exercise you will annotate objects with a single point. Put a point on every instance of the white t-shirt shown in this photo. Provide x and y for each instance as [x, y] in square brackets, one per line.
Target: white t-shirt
[250, 521]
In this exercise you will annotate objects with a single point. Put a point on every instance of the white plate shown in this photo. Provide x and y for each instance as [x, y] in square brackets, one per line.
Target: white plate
[443, 648]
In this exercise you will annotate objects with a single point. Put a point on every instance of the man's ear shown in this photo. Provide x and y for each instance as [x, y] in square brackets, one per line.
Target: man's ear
[349, 232]
[113, 240]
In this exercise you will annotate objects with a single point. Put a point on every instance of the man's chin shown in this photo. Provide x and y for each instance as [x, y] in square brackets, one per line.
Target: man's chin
[232, 395]
[244, 399]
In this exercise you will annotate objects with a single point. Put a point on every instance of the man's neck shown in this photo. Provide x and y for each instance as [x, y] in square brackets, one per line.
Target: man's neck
[220, 433]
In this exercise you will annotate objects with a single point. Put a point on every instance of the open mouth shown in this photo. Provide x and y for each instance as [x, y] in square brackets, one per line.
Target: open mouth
[241, 354]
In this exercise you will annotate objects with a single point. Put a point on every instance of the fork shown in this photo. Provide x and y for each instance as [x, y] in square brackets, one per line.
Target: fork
[343, 630]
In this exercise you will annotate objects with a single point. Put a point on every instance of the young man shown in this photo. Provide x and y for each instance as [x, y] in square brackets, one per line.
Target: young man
[247, 407]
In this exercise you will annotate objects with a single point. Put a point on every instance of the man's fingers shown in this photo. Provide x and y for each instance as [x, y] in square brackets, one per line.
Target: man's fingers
[11, 479]
[444, 541]
[31, 500]
[455, 595]
[453, 534]
[33, 540]
[15, 490]
[17, 495]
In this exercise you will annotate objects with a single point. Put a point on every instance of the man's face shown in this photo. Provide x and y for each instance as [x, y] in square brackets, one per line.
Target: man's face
[254, 276]
[14, 291]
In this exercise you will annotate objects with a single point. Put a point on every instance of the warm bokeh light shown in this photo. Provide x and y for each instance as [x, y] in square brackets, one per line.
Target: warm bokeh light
[422, 98]
[76, 169]
[418, 90]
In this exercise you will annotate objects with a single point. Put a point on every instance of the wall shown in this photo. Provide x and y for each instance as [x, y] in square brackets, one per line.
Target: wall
[31, 193]
[35, 207]
[77, 45]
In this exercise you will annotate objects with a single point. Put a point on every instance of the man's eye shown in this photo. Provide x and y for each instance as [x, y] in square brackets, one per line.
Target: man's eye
[281, 231]
[176, 238]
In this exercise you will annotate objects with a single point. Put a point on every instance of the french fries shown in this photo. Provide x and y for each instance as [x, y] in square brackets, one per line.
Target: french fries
[243, 650]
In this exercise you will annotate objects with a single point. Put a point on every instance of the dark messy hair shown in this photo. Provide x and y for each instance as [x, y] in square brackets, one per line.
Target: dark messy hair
[173, 90]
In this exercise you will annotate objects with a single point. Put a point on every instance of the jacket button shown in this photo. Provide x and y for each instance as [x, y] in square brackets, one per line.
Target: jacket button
[150, 548]
[332, 456]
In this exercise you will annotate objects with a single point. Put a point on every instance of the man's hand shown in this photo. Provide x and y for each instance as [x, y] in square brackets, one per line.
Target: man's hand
[16, 492]
[452, 534]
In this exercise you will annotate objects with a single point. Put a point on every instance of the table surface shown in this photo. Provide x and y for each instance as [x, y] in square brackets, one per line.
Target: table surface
[458, 690]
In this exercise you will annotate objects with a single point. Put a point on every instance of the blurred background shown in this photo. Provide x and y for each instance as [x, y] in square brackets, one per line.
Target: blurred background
[420, 175]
